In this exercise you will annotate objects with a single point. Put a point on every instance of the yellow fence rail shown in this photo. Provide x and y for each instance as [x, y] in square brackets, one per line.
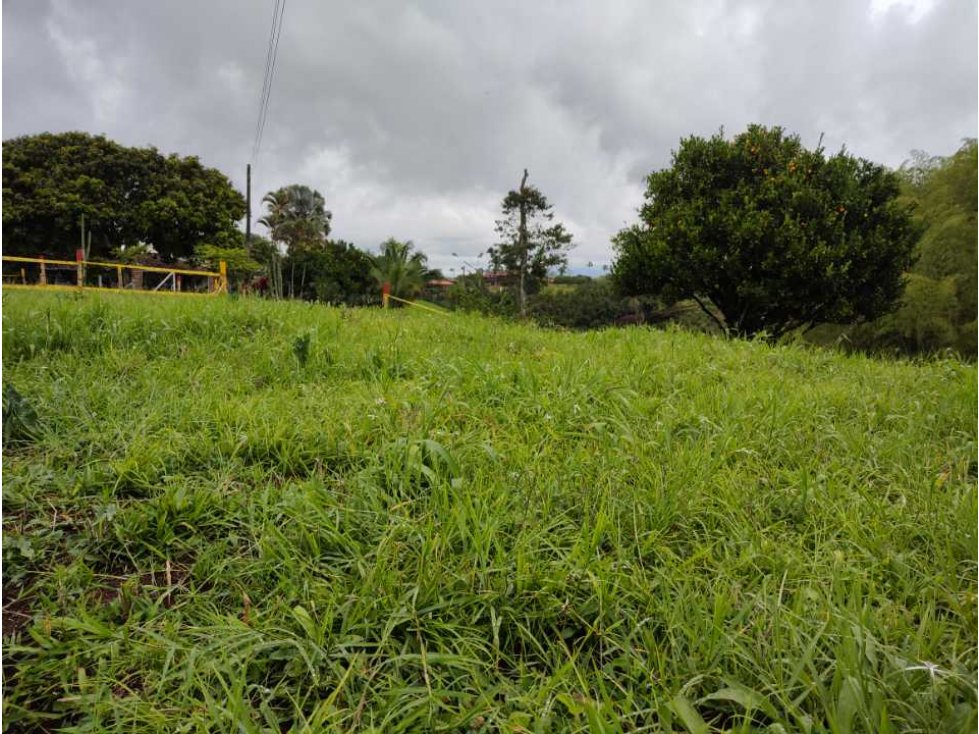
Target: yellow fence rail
[217, 282]
[424, 306]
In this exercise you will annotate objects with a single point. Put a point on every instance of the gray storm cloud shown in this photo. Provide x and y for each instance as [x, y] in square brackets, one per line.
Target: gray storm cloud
[415, 119]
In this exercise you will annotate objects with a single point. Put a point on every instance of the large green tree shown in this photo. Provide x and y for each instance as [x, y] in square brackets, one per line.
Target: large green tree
[126, 195]
[530, 242]
[768, 236]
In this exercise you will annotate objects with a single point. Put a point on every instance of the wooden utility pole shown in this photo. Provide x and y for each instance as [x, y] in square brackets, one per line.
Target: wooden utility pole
[248, 205]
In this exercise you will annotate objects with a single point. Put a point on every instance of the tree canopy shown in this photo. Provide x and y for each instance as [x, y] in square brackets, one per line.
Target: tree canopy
[337, 272]
[127, 195]
[297, 217]
[768, 236]
[530, 243]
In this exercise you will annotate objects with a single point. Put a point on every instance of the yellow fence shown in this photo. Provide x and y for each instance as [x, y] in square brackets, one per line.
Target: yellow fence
[39, 272]
[387, 296]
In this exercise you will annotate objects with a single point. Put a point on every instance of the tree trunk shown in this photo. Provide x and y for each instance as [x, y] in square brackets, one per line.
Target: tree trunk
[522, 235]
[703, 307]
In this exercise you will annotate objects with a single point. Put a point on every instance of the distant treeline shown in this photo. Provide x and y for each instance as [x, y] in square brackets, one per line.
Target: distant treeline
[751, 236]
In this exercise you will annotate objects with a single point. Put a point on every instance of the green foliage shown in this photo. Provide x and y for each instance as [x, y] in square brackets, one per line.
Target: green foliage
[261, 249]
[134, 254]
[470, 292]
[267, 254]
[239, 261]
[454, 523]
[924, 322]
[530, 243]
[938, 308]
[300, 348]
[337, 273]
[589, 304]
[297, 218]
[947, 206]
[127, 195]
[401, 267]
[331, 271]
[20, 423]
[572, 280]
[775, 236]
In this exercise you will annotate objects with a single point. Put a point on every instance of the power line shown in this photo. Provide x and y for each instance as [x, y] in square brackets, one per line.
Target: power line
[268, 93]
[265, 77]
[270, 58]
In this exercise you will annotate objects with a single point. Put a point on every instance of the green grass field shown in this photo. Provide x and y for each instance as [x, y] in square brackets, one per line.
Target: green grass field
[244, 516]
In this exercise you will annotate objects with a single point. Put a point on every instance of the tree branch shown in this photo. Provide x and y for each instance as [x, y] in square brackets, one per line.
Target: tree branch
[704, 308]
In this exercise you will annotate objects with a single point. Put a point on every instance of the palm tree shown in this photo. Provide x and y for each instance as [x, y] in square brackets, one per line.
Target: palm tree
[298, 220]
[278, 214]
[297, 217]
[278, 206]
[403, 270]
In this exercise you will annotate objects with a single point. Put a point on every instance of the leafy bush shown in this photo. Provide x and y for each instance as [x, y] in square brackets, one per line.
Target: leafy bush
[589, 305]
[241, 265]
[470, 293]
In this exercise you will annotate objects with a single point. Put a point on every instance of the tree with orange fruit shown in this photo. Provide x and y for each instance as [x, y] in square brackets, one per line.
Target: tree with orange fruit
[769, 237]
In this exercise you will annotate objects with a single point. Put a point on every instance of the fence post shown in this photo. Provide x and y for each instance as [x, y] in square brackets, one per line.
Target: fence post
[79, 259]
[385, 294]
[223, 280]
[44, 272]
[118, 276]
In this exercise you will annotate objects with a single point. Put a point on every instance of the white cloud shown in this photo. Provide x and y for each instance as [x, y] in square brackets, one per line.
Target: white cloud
[912, 10]
[101, 78]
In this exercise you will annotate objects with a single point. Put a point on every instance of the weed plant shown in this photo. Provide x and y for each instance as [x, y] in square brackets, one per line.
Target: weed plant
[248, 516]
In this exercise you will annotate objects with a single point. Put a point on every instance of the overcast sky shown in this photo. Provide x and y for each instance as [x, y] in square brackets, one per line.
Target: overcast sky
[415, 119]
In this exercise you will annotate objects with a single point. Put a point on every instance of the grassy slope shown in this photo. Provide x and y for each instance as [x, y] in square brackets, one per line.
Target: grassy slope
[452, 522]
